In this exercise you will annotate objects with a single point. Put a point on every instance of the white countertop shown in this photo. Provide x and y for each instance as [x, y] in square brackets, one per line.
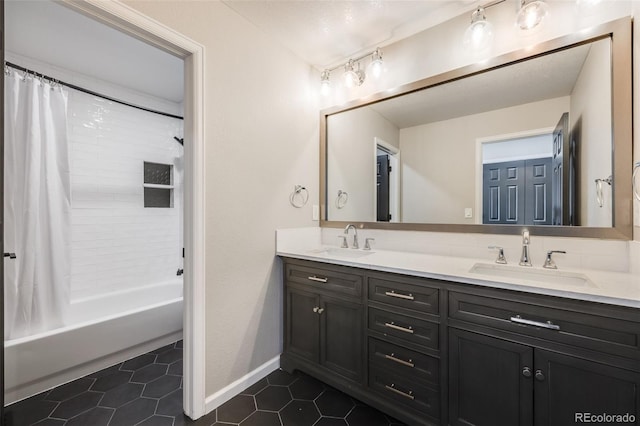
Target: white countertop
[615, 288]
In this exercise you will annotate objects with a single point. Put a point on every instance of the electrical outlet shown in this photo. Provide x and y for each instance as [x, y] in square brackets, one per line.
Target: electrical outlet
[316, 212]
[468, 213]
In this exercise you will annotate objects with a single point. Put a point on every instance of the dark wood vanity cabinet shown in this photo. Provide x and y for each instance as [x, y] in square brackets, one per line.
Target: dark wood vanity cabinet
[432, 352]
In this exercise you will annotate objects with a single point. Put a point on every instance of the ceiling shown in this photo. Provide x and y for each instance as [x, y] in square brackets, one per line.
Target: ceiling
[546, 77]
[321, 32]
[326, 32]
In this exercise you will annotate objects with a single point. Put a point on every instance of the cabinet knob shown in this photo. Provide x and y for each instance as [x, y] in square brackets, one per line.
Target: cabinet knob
[539, 375]
[315, 309]
[526, 372]
[321, 310]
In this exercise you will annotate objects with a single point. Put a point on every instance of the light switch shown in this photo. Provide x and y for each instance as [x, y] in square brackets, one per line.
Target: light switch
[316, 212]
[468, 213]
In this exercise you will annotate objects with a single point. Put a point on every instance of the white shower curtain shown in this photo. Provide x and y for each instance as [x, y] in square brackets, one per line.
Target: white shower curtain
[37, 196]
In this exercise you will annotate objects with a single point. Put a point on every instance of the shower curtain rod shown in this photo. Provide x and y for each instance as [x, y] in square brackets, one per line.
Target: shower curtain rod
[90, 92]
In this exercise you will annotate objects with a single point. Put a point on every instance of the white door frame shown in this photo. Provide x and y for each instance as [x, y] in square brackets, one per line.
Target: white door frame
[394, 178]
[136, 24]
[479, 166]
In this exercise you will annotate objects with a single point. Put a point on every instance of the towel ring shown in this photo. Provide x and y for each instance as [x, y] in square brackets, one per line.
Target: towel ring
[299, 196]
[599, 195]
[341, 199]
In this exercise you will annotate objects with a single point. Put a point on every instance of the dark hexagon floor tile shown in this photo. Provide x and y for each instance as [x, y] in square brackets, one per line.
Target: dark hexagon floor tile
[98, 416]
[162, 349]
[236, 409]
[138, 362]
[281, 378]
[28, 411]
[255, 388]
[119, 396]
[334, 403]
[262, 418]
[175, 368]
[330, 421]
[110, 381]
[149, 373]
[366, 416]
[169, 356]
[273, 398]
[206, 420]
[171, 405]
[70, 389]
[134, 412]
[49, 422]
[105, 372]
[299, 413]
[157, 421]
[76, 405]
[306, 387]
[162, 386]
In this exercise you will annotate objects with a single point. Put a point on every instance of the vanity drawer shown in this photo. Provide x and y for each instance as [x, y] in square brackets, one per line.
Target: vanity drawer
[333, 278]
[407, 293]
[404, 361]
[421, 332]
[567, 325]
[405, 391]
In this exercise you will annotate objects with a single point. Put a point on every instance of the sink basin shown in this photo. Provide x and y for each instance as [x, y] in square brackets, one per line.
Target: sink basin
[544, 276]
[342, 252]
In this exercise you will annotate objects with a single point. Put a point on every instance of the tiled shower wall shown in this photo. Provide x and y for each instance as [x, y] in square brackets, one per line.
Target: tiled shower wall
[117, 243]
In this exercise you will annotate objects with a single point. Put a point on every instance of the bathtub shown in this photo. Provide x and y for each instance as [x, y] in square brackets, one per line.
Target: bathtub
[102, 331]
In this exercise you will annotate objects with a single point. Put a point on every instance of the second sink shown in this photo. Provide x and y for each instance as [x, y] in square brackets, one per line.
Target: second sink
[528, 274]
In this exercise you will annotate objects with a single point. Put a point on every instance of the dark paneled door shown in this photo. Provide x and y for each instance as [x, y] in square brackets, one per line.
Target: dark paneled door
[563, 181]
[517, 192]
[490, 381]
[568, 386]
[382, 189]
[341, 335]
[303, 324]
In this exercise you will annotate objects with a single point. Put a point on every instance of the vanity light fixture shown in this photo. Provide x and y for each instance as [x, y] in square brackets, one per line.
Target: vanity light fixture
[531, 13]
[353, 73]
[479, 34]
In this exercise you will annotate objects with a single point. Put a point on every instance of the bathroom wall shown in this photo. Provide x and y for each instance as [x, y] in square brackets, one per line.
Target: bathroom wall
[350, 161]
[117, 244]
[595, 129]
[424, 171]
[261, 136]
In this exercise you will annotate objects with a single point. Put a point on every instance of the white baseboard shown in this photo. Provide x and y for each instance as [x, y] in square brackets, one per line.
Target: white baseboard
[225, 394]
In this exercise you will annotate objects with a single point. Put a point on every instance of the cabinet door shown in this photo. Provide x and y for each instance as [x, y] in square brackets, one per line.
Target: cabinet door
[303, 324]
[490, 381]
[566, 387]
[342, 337]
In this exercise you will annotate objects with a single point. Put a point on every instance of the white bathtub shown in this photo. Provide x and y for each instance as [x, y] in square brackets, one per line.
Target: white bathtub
[102, 331]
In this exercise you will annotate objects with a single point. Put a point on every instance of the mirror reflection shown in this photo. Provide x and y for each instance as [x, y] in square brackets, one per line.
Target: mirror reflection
[526, 144]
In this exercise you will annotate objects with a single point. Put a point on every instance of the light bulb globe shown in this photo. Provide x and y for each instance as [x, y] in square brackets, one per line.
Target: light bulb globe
[531, 14]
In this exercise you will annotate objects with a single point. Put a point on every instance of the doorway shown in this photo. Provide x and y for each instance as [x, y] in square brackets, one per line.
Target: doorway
[130, 22]
[386, 179]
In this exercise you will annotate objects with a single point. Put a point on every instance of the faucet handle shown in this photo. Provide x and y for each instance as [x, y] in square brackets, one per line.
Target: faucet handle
[501, 259]
[549, 263]
[344, 241]
[367, 245]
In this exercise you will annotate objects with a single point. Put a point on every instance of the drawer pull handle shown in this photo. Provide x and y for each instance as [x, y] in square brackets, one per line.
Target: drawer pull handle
[399, 295]
[397, 327]
[392, 388]
[317, 279]
[399, 361]
[551, 326]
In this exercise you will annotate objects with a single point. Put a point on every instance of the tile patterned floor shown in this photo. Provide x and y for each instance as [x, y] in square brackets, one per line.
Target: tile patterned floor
[147, 391]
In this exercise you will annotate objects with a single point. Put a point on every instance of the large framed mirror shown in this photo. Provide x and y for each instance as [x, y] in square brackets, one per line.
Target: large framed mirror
[538, 139]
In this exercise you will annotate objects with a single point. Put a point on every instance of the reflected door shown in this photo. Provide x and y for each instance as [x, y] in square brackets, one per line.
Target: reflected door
[382, 189]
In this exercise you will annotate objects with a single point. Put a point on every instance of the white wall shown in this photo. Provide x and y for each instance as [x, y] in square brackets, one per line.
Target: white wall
[595, 134]
[117, 244]
[261, 136]
[440, 162]
[350, 161]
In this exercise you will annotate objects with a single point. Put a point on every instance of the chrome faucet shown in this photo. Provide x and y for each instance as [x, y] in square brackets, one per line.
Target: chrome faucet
[524, 259]
[355, 234]
[549, 263]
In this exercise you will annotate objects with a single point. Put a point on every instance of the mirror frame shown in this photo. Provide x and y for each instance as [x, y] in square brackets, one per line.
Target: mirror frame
[620, 33]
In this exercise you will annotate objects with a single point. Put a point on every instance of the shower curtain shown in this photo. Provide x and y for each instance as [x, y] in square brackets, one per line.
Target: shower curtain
[37, 211]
